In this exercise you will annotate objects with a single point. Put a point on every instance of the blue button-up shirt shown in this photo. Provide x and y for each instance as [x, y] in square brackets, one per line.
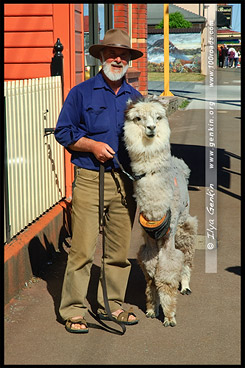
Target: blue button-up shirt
[93, 110]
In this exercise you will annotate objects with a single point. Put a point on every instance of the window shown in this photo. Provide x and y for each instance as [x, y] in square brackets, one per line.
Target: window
[98, 18]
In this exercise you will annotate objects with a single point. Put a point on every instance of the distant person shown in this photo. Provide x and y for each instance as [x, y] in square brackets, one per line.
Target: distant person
[236, 58]
[231, 54]
[220, 57]
[225, 53]
[239, 58]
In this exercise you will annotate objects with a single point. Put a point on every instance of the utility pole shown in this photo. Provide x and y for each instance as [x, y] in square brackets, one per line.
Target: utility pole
[166, 91]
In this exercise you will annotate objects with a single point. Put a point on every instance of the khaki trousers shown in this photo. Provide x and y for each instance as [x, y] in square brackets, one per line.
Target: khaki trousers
[85, 231]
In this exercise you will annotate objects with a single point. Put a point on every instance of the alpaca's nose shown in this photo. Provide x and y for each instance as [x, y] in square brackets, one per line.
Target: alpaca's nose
[150, 130]
[151, 126]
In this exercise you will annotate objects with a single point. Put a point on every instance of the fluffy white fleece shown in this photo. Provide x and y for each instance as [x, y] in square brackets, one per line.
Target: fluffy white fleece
[151, 155]
[167, 261]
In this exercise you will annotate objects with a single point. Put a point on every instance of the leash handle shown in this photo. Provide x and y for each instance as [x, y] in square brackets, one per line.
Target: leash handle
[102, 224]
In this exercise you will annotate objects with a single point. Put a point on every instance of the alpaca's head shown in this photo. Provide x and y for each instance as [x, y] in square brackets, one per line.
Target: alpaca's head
[146, 128]
[148, 114]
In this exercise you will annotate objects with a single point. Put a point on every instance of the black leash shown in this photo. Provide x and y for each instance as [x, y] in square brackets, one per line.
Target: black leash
[102, 224]
[132, 177]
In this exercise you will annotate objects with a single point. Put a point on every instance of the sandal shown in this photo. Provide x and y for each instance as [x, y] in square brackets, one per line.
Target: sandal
[79, 321]
[122, 317]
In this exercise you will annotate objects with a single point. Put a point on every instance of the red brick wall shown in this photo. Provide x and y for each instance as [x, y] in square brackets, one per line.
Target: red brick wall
[79, 43]
[121, 16]
[139, 41]
[139, 37]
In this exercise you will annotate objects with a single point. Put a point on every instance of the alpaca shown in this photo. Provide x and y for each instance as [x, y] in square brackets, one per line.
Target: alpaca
[161, 192]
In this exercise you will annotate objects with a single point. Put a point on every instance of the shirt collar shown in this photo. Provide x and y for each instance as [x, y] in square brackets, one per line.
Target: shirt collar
[101, 83]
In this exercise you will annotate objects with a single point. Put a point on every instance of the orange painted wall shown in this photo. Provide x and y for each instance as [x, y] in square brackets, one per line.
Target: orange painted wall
[30, 32]
[28, 40]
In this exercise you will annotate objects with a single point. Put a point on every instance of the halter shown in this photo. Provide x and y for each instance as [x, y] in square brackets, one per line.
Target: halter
[156, 229]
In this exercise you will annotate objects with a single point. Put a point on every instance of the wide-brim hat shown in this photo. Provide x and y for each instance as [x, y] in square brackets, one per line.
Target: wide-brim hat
[115, 38]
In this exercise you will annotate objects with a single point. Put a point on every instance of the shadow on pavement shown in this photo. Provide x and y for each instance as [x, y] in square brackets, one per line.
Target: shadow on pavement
[194, 156]
[53, 270]
[53, 273]
[235, 269]
[135, 293]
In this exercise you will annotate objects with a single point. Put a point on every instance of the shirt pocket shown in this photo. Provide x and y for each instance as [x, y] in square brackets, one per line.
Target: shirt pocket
[97, 119]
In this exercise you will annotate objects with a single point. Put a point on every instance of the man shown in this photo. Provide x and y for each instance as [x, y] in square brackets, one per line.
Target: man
[225, 56]
[90, 127]
[220, 56]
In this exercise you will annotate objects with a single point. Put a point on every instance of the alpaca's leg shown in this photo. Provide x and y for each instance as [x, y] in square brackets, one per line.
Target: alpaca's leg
[152, 299]
[168, 300]
[148, 258]
[185, 239]
[167, 280]
[185, 280]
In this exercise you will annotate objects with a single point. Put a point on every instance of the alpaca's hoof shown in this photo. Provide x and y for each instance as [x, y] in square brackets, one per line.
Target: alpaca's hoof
[186, 291]
[150, 313]
[169, 322]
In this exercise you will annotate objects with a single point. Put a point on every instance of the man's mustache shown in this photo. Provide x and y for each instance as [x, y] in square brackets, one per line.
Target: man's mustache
[117, 64]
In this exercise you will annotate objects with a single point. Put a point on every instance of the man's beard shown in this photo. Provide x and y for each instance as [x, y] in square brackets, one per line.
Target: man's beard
[114, 76]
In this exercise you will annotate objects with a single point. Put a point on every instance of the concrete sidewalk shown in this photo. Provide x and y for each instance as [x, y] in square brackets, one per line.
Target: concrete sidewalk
[208, 321]
[228, 90]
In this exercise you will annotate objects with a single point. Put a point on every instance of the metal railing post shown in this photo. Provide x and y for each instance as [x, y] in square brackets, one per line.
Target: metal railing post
[57, 63]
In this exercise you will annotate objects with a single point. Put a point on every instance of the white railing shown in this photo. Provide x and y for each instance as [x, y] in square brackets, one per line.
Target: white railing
[34, 162]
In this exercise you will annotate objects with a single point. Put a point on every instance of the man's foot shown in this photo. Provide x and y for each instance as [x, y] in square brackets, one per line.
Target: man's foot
[126, 317]
[131, 317]
[76, 324]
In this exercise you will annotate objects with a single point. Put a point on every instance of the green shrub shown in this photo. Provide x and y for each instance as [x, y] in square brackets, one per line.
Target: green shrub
[176, 20]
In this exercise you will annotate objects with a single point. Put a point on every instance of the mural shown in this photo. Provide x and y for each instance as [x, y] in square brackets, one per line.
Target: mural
[184, 52]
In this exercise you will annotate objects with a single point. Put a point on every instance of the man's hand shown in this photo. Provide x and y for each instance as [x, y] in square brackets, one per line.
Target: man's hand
[102, 151]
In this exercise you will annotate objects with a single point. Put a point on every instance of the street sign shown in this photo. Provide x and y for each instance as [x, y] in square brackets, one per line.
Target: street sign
[226, 10]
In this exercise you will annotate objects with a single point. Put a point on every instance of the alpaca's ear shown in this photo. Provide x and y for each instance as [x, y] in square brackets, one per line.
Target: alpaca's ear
[154, 98]
[164, 101]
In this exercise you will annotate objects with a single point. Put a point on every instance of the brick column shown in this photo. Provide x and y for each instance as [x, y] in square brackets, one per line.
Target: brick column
[121, 16]
[139, 41]
[137, 74]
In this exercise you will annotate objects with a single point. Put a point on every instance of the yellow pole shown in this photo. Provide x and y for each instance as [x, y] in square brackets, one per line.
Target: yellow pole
[166, 91]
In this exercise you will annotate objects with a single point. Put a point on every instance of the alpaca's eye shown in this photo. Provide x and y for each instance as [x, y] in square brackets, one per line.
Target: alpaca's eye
[137, 118]
[159, 118]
